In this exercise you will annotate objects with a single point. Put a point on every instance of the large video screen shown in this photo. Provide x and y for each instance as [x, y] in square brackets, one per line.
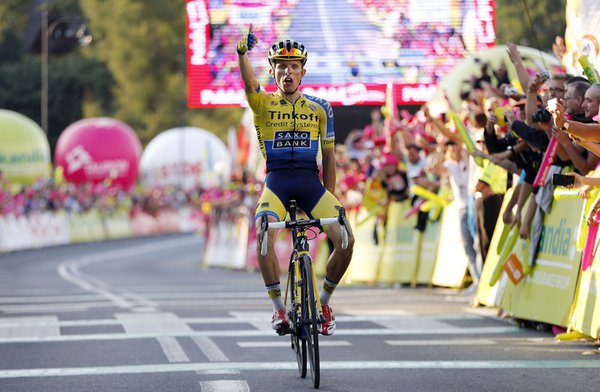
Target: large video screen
[355, 47]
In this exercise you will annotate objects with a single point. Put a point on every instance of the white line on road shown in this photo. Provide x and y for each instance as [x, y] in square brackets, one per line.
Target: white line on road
[29, 326]
[161, 325]
[441, 342]
[247, 317]
[270, 344]
[210, 349]
[271, 366]
[249, 333]
[224, 386]
[172, 349]
[70, 270]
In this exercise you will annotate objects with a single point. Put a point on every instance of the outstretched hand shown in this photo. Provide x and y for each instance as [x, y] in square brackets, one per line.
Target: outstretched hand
[248, 42]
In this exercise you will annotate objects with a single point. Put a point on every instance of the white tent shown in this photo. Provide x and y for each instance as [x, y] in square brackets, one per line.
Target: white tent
[186, 157]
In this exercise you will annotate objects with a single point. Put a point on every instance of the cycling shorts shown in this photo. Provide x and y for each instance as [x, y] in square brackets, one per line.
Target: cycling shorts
[301, 185]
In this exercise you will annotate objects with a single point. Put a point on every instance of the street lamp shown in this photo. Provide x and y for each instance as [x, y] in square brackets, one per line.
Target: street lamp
[76, 29]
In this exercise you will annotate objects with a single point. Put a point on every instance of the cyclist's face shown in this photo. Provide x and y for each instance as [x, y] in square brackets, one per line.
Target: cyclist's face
[288, 75]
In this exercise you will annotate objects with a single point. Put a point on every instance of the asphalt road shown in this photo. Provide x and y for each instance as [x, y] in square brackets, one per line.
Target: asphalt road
[143, 315]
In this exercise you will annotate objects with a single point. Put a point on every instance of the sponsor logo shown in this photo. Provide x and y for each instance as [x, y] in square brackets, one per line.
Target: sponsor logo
[555, 240]
[276, 115]
[289, 139]
[80, 159]
[77, 158]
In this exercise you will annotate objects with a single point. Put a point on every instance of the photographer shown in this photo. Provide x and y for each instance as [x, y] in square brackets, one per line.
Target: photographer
[583, 161]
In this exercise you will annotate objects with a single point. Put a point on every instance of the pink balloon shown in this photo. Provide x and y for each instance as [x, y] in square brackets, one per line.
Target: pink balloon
[95, 150]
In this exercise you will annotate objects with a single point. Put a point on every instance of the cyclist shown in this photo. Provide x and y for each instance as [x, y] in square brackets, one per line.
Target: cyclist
[290, 127]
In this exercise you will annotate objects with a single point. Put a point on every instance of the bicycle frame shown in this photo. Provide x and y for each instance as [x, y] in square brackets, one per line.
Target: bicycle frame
[305, 306]
[304, 309]
[300, 248]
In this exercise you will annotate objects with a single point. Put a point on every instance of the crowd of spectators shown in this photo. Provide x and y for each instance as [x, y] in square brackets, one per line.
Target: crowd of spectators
[49, 195]
[225, 34]
[511, 132]
[425, 50]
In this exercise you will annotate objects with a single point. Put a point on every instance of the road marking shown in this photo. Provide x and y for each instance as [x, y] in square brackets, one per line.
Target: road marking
[271, 366]
[161, 325]
[250, 333]
[224, 386]
[441, 342]
[210, 349]
[19, 327]
[54, 308]
[172, 349]
[49, 299]
[270, 344]
[259, 320]
[242, 318]
[70, 270]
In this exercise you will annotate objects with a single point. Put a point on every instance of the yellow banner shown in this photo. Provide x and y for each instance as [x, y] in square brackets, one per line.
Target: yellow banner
[366, 254]
[586, 313]
[547, 294]
[451, 260]
[427, 253]
[486, 295]
[399, 255]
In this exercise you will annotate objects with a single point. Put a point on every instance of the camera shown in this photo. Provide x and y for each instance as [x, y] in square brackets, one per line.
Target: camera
[541, 115]
[509, 91]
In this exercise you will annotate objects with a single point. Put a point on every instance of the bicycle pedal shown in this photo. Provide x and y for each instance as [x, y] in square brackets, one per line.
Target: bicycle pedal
[283, 330]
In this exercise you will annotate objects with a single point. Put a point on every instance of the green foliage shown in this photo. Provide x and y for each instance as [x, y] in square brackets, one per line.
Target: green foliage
[513, 25]
[13, 15]
[145, 51]
[70, 80]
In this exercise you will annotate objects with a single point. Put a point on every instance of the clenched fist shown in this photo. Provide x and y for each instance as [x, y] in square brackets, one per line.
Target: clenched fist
[247, 42]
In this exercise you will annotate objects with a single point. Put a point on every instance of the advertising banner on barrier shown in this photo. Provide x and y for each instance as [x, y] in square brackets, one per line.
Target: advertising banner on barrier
[486, 295]
[227, 243]
[586, 315]
[547, 294]
[400, 248]
[451, 260]
[427, 254]
[367, 253]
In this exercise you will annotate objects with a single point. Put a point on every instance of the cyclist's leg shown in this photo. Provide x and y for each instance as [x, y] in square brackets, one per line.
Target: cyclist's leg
[327, 207]
[271, 206]
[338, 263]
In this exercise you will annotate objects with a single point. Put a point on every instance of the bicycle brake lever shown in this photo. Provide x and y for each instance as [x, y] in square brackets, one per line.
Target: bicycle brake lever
[344, 226]
[263, 236]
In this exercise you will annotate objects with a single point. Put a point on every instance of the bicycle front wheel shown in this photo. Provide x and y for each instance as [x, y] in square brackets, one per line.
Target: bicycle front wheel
[311, 322]
[298, 334]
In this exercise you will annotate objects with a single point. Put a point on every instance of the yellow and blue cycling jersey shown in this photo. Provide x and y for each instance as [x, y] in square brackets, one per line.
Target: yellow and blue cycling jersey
[289, 134]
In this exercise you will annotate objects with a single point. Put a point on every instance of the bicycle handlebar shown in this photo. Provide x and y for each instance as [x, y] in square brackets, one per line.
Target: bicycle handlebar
[265, 226]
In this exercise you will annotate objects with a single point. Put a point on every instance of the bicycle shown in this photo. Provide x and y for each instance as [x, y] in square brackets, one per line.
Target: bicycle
[304, 309]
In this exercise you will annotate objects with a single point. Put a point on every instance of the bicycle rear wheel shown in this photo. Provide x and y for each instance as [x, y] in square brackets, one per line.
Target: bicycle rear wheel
[298, 335]
[311, 322]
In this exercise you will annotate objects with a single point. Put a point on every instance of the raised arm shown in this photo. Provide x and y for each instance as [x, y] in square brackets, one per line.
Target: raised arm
[247, 43]
[515, 58]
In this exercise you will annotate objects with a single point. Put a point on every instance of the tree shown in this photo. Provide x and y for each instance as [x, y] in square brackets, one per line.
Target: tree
[143, 44]
[513, 25]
